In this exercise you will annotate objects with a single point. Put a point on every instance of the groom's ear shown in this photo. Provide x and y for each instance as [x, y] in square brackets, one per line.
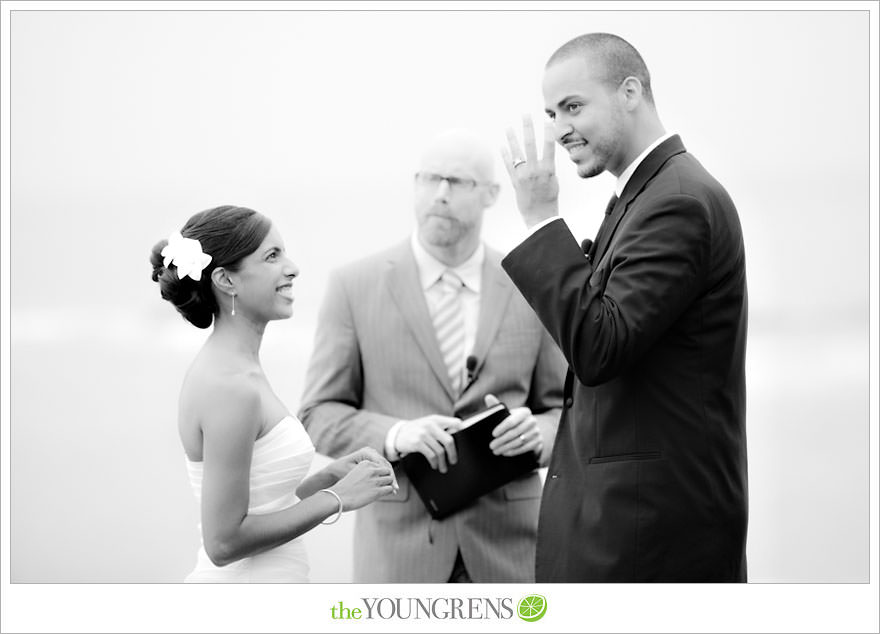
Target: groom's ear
[221, 280]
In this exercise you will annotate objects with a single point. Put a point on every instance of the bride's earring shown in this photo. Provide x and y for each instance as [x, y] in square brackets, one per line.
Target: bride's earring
[233, 303]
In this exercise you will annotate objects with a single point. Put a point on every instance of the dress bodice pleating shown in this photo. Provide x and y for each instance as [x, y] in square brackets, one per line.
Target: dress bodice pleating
[281, 460]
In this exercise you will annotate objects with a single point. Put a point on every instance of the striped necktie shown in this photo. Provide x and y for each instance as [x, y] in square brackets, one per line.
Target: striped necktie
[448, 321]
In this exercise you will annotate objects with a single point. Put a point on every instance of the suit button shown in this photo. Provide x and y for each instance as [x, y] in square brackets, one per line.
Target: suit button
[569, 402]
[555, 476]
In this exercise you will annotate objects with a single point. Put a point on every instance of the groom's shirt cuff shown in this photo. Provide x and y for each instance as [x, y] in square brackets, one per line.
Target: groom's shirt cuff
[533, 229]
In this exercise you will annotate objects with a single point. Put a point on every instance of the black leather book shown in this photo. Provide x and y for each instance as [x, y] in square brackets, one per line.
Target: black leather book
[477, 471]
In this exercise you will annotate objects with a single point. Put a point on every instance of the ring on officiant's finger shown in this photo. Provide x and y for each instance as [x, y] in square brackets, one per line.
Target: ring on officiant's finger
[518, 162]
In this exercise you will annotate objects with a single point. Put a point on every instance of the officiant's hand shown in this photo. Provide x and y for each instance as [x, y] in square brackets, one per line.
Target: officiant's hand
[516, 434]
[431, 436]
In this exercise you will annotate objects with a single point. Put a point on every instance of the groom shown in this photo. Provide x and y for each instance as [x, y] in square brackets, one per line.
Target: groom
[648, 479]
[401, 355]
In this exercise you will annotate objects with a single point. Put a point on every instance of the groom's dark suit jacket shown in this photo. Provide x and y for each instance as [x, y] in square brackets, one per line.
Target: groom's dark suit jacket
[647, 481]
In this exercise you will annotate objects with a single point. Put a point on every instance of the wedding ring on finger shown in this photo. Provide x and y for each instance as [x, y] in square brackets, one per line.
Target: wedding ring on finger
[518, 162]
[522, 439]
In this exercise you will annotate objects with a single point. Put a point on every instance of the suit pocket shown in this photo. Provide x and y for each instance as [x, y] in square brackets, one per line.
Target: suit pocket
[627, 457]
[526, 488]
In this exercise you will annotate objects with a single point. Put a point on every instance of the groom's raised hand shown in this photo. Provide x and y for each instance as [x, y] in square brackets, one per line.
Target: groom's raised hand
[534, 179]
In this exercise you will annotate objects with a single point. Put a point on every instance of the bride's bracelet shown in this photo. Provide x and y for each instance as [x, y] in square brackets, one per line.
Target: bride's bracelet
[338, 499]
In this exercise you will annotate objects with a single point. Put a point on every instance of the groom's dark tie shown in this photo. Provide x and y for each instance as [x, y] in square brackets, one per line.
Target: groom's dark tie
[603, 229]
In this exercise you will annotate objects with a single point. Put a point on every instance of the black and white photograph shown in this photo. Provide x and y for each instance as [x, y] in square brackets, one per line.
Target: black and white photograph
[312, 310]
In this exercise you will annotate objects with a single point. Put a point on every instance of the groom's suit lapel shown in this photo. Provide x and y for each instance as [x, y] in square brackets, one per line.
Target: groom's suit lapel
[645, 172]
[406, 291]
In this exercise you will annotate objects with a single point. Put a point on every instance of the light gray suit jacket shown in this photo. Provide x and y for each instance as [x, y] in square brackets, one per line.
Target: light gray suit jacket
[376, 361]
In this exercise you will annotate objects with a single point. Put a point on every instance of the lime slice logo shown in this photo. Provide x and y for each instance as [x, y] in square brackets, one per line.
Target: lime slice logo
[532, 607]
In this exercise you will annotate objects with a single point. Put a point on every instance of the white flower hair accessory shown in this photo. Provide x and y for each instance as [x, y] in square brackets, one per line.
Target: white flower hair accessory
[186, 254]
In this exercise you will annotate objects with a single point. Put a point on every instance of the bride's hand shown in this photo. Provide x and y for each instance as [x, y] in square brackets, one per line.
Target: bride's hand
[349, 462]
[365, 483]
[341, 467]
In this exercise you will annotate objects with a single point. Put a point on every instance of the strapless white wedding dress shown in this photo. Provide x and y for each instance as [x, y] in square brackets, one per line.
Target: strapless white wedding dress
[281, 460]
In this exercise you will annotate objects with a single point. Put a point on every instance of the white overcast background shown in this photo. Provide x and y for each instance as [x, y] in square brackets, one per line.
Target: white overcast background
[124, 123]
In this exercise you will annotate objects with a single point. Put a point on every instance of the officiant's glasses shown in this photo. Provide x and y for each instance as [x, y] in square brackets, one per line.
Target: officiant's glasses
[456, 183]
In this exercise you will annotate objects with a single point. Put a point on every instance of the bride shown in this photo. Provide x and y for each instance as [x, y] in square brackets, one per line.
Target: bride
[247, 457]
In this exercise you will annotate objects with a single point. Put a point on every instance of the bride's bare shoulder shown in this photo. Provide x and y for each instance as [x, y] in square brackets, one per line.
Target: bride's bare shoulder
[214, 393]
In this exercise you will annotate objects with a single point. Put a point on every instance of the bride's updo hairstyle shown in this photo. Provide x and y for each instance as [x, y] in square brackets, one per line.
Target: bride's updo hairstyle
[227, 234]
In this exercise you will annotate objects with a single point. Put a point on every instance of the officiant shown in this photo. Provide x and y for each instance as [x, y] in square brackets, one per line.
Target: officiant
[415, 338]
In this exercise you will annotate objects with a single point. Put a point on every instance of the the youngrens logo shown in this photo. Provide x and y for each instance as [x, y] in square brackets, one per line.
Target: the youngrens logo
[418, 608]
[529, 608]
[532, 607]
